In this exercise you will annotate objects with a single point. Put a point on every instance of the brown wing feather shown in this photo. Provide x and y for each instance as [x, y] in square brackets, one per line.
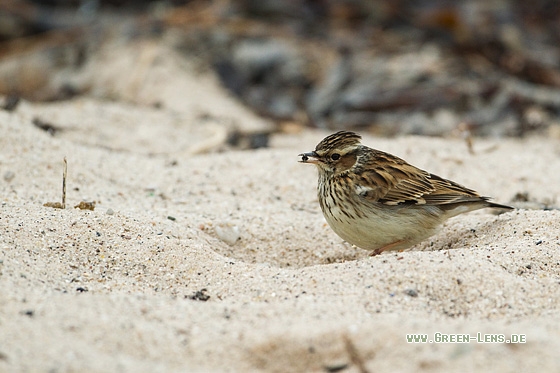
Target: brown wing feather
[447, 191]
[392, 181]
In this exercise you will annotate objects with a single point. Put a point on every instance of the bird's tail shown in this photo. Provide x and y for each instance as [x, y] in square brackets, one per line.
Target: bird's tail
[498, 206]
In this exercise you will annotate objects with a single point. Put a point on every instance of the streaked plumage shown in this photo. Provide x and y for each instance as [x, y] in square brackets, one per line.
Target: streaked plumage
[379, 202]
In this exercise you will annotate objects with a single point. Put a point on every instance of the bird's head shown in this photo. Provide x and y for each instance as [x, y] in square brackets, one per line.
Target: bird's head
[336, 153]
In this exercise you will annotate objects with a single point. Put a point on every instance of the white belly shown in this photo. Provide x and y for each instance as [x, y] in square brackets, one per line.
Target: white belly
[372, 228]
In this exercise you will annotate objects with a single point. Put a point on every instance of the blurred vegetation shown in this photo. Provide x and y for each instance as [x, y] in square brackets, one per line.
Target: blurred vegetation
[419, 67]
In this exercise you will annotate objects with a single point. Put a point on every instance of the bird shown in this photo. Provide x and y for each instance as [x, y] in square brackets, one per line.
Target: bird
[379, 202]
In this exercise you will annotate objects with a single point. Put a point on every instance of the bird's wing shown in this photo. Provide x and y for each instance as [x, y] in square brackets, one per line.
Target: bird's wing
[390, 180]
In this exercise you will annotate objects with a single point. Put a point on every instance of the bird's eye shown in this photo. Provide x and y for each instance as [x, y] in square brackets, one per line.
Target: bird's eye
[335, 156]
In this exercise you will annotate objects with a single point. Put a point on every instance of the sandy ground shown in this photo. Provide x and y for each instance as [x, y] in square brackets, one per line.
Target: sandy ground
[125, 287]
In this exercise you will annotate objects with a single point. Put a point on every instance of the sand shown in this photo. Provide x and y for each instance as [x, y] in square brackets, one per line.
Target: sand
[147, 282]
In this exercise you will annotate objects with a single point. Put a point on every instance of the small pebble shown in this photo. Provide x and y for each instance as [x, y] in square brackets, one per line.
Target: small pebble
[411, 292]
[336, 367]
[84, 205]
[9, 176]
[227, 232]
[29, 313]
[110, 212]
[11, 102]
[201, 295]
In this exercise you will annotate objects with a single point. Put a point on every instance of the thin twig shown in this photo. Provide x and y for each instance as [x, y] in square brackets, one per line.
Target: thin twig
[64, 173]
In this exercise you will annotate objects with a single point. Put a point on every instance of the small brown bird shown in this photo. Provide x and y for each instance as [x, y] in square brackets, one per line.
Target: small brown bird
[379, 202]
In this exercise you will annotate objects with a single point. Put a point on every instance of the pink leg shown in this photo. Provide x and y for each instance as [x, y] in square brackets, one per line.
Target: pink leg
[386, 248]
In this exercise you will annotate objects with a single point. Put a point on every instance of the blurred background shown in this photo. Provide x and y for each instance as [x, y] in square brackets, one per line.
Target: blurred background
[388, 67]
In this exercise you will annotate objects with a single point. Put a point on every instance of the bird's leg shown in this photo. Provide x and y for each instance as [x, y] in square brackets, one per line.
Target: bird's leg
[386, 248]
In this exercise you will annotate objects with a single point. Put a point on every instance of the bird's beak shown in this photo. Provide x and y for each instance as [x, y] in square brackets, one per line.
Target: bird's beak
[305, 157]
